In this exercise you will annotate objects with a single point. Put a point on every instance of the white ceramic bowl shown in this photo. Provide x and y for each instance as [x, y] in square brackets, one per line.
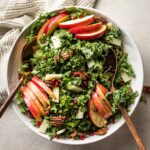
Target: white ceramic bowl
[137, 83]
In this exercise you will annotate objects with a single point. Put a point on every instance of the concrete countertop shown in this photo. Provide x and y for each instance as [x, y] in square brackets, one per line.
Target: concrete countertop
[135, 17]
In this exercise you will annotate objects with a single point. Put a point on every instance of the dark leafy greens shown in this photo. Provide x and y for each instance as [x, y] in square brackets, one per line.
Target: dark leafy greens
[48, 60]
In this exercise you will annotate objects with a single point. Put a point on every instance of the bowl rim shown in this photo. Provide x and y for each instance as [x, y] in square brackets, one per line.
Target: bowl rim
[80, 142]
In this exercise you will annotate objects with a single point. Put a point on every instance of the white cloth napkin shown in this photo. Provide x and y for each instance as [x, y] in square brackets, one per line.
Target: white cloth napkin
[14, 15]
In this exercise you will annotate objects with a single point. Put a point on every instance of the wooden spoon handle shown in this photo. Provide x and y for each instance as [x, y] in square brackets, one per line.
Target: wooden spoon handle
[10, 98]
[132, 128]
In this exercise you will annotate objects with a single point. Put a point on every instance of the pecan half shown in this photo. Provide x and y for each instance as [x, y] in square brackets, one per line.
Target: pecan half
[53, 83]
[64, 55]
[57, 120]
[82, 74]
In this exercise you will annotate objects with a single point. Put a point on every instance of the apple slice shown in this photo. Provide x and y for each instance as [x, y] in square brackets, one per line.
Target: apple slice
[98, 104]
[77, 22]
[28, 93]
[54, 23]
[101, 88]
[92, 35]
[39, 94]
[56, 92]
[29, 104]
[41, 31]
[86, 29]
[101, 91]
[95, 116]
[44, 86]
[32, 102]
[53, 76]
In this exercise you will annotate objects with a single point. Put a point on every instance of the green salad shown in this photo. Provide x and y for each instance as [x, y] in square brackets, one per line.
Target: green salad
[68, 90]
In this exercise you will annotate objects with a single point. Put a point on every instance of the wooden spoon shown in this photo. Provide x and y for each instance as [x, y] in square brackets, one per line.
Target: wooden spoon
[10, 98]
[112, 65]
[26, 55]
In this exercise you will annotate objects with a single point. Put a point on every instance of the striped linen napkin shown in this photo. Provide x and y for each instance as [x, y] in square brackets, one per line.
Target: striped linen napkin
[14, 15]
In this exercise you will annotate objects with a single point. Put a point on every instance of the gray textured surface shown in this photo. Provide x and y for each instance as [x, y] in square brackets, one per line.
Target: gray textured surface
[134, 15]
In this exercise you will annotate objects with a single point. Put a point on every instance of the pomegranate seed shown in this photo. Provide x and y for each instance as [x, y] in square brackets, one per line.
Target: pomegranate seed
[81, 16]
[56, 136]
[47, 112]
[75, 101]
[53, 80]
[38, 124]
[82, 137]
[56, 84]
[59, 81]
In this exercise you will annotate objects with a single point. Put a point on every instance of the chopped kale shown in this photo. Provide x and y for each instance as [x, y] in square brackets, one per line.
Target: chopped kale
[71, 59]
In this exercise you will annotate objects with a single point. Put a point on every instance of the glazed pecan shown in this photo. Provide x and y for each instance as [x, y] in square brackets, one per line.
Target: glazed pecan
[64, 55]
[53, 83]
[82, 74]
[57, 120]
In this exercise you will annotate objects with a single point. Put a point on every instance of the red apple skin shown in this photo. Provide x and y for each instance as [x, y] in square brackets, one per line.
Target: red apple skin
[102, 88]
[72, 23]
[101, 92]
[31, 100]
[39, 94]
[97, 102]
[41, 31]
[54, 23]
[44, 86]
[28, 93]
[92, 35]
[35, 114]
[86, 29]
